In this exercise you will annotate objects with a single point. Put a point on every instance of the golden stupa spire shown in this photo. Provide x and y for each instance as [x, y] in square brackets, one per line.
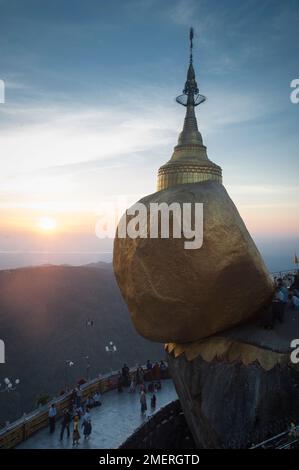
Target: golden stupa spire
[189, 162]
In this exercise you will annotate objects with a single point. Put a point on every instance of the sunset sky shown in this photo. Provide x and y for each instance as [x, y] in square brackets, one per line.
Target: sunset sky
[90, 115]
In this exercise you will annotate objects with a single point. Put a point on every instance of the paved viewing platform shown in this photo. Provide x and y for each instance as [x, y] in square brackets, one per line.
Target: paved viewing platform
[112, 423]
[277, 339]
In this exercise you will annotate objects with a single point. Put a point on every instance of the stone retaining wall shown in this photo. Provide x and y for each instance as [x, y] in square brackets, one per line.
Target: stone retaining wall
[166, 429]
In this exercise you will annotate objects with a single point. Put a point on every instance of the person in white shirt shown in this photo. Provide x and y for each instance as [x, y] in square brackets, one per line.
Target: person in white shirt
[277, 307]
[97, 399]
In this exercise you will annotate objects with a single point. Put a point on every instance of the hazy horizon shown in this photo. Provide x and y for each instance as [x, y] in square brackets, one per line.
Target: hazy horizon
[276, 253]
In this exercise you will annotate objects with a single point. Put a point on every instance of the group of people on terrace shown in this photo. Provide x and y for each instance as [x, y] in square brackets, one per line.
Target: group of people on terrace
[152, 373]
[78, 413]
[286, 293]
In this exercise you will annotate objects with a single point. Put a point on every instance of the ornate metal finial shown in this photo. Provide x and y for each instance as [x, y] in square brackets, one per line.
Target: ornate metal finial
[189, 162]
[191, 35]
[190, 94]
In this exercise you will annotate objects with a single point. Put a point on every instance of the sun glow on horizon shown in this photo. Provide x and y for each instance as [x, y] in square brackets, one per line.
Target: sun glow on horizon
[47, 224]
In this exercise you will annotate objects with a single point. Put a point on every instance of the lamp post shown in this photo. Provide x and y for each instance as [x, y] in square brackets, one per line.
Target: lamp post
[111, 349]
[12, 386]
[68, 364]
[9, 386]
[89, 324]
[87, 367]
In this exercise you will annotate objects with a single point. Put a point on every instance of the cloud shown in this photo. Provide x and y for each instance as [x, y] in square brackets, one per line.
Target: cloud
[184, 12]
[72, 153]
[68, 155]
[42, 137]
[15, 84]
[43, 145]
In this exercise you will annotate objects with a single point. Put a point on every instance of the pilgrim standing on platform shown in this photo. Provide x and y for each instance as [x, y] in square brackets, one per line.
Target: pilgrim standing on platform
[52, 418]
[153, 401]
[76, 434]
[143, 402]
[87, 428]
[66, 419]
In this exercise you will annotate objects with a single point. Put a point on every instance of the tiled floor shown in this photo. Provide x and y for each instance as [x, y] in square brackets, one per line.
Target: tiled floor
[112, 423]
[278, 339]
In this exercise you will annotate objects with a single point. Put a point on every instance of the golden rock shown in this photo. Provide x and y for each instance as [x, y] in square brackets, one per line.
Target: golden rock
[181, 295]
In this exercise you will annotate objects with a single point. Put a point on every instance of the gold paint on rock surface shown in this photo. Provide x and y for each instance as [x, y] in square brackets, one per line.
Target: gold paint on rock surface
[224, 349]
[181, 295]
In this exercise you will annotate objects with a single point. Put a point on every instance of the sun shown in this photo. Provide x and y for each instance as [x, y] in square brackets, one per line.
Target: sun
[47, 224]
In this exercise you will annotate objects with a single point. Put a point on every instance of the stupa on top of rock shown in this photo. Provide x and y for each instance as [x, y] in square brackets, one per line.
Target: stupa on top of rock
[180, 295]
[189, 162]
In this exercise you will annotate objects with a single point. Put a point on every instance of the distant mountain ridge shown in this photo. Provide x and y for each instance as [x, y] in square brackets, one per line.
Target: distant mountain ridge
[99, 265]
[44, 321]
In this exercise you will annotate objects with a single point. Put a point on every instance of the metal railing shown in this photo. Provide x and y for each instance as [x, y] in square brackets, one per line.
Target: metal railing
[24, 427]
[291, 272]
[283, 440]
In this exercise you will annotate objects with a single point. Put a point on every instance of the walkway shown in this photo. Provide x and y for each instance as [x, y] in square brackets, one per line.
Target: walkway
[279, 339]
[113, 422]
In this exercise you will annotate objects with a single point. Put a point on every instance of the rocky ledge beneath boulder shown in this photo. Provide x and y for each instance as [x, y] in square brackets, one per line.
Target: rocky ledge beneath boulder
[234, 394]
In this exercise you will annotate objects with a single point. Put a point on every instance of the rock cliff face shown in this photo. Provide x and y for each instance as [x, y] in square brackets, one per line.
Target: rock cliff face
[179, 294]
[229, 404]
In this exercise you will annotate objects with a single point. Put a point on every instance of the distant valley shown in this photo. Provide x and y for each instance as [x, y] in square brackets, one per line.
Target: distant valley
[51, 314]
